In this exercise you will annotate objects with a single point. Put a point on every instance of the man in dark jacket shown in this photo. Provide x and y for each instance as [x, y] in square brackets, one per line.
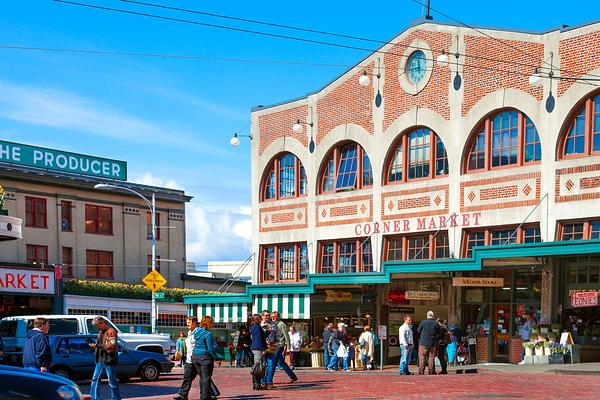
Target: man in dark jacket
[37, 355]
[337, 339]
[443, 340]
[429, 333]
[326, 336]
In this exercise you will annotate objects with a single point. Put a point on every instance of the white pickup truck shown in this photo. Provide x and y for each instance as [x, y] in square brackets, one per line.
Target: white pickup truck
[13, 331]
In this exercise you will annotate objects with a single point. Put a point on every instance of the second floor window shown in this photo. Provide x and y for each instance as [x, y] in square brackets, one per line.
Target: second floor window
[149, 226]
[418, 154]
[98, 220]
[37, 254]
[66, 217]
[346, 256]
[284, 262]
[35, 212]
[508, 138]
[494, 236]
[579, 230]
[285, 177]
[423, 246]
[99, 264]
[583, 134]
[346, 168]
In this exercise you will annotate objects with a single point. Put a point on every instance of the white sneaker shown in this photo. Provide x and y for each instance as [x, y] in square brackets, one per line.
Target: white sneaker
[522, 362]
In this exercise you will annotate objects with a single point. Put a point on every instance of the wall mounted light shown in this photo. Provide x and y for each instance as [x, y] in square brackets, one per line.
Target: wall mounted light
[442, 59]
[535, 79]
[235, 140]
[298, 127]
[364, 80]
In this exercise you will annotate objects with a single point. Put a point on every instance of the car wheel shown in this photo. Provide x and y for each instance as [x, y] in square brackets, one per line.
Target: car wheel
[149, 371]
[62, 371]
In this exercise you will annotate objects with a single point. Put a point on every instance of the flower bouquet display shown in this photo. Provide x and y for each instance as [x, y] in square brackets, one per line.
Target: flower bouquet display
[529, 346]
[539, 344]
[544, 326]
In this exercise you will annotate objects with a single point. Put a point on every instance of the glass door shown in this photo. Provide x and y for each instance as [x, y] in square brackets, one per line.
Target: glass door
[501, 332]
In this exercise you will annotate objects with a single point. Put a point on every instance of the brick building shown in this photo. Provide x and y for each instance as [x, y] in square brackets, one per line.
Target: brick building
[437, 170]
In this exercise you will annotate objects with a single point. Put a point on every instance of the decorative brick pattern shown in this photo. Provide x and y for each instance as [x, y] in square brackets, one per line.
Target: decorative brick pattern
[435, 94]
[578, 56]
[279, 124]
[410, 203]
[344, 211]
[494, 193]
[347, 103]
[480, 76]
[287, 217]
[577, 183]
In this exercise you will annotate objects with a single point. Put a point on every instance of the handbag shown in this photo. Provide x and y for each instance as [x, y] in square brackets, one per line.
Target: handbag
[259, 369]
[177, 356]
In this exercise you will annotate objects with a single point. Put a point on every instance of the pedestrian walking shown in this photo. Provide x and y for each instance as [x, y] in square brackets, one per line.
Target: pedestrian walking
[107, 359]
[337, 348]
[295, 346]
[442, 343]
[242, 349]
[405, 334]
[181, 351]
[37, 355]
[429, 331]
[280, 341]
[259, 347]
[367, 347]
[189, 370]
[329, 328]
[204, 356]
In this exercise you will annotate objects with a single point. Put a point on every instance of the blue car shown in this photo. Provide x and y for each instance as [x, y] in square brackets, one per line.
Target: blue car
[73, 358]
[19, 383]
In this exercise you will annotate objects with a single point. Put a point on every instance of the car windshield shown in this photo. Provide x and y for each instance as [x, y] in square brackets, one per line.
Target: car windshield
[92, 328]
[59, 326]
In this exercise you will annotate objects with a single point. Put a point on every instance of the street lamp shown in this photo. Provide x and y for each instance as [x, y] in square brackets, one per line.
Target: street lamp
[152, 206]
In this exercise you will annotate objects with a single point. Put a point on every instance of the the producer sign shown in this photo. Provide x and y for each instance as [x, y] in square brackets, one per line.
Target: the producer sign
[57, 160]
[33, 281]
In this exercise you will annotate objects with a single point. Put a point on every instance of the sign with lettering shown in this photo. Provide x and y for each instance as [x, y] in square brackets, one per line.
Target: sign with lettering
[477, 281]
[334, 296]
[65, 161]
[421, 295]
[32, 281]
[418, 224]
[154, 280]
[584, 299]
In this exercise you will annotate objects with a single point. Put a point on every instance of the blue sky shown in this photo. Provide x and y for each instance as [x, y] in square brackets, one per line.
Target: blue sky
[172, 119]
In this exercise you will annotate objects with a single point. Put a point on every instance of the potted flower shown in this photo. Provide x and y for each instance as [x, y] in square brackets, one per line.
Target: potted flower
[556, 355]
[535, 329]
[539, 344]
[529, 346]
[544, 326]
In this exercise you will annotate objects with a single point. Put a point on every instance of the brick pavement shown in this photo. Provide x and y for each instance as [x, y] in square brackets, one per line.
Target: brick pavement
[235, 385]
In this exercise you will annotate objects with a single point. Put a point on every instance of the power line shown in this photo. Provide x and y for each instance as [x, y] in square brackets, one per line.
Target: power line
[262, 33]
[253, 21]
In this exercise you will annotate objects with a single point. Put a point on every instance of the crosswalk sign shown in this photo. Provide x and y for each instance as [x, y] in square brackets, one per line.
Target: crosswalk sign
[154, 280]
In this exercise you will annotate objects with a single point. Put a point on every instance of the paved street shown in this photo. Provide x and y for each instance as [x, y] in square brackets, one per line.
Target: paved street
[235, 384]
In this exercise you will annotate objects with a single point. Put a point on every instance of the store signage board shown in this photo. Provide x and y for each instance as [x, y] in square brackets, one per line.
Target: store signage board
[566, 338]
[58, 160]
[335, 296]
[32, 281]
[382, 331]
[477, 281]
[418, 224]
[154, 280]
[584, 299]
[421, 295]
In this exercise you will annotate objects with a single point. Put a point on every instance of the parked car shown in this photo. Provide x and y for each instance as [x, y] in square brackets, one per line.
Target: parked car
[13, 330]
[19, 383]
[73, 358]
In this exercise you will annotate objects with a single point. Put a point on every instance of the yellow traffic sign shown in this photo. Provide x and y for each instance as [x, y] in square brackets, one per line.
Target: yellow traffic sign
[154, 280]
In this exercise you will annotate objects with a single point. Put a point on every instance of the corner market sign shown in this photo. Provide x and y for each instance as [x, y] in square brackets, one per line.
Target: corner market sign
[22, 154]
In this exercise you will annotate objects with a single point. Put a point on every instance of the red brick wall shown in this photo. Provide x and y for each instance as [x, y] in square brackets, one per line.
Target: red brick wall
[279, 124]
[483, 80]
[415, 202]
[505, 204]
[587, 181]
[500, 192]
[578, 56]
[343, 211]
[590, 182]
[435, 94]
[347, 103]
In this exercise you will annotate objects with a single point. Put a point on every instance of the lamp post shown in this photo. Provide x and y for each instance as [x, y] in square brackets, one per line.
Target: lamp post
[152, 206]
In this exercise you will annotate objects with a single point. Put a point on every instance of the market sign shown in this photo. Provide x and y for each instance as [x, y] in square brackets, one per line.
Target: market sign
[335, 296]
[419, 224]
[65, 161]
[584, 299]
[32, 281]
[477, 281]
[421, 295]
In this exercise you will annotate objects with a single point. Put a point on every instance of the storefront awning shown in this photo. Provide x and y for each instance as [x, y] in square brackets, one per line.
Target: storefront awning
[225, 312]
[290, 306]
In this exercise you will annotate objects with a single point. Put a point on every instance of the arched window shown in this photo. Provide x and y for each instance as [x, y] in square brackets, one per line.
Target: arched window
[582, 137]
[346, 168]
[508, 138]
[418, 154]
[285, 177]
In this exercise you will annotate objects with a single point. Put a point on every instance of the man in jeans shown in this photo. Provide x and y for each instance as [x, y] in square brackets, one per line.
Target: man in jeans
[429, 333]
[107, 358]
[406, 344]
[189, 371]
[282, 341]
[326, 336]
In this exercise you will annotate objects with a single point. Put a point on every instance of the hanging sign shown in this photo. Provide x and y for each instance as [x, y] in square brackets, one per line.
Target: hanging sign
[334, 296]
[477, 281]
[421, 295]
[584, 299]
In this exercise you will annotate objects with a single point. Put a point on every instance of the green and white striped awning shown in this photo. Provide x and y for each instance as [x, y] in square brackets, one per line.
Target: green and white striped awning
[290, 306]
[225, 312]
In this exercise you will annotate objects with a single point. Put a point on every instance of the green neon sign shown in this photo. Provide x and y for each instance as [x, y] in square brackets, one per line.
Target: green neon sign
[65, 161]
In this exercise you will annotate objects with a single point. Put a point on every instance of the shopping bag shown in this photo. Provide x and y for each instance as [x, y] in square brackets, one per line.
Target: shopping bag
[259, 369]
[177, 356]
[342, 351]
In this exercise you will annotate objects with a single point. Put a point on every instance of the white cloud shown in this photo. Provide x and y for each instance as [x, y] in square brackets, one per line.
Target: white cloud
[217, 234]
[151, 180]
